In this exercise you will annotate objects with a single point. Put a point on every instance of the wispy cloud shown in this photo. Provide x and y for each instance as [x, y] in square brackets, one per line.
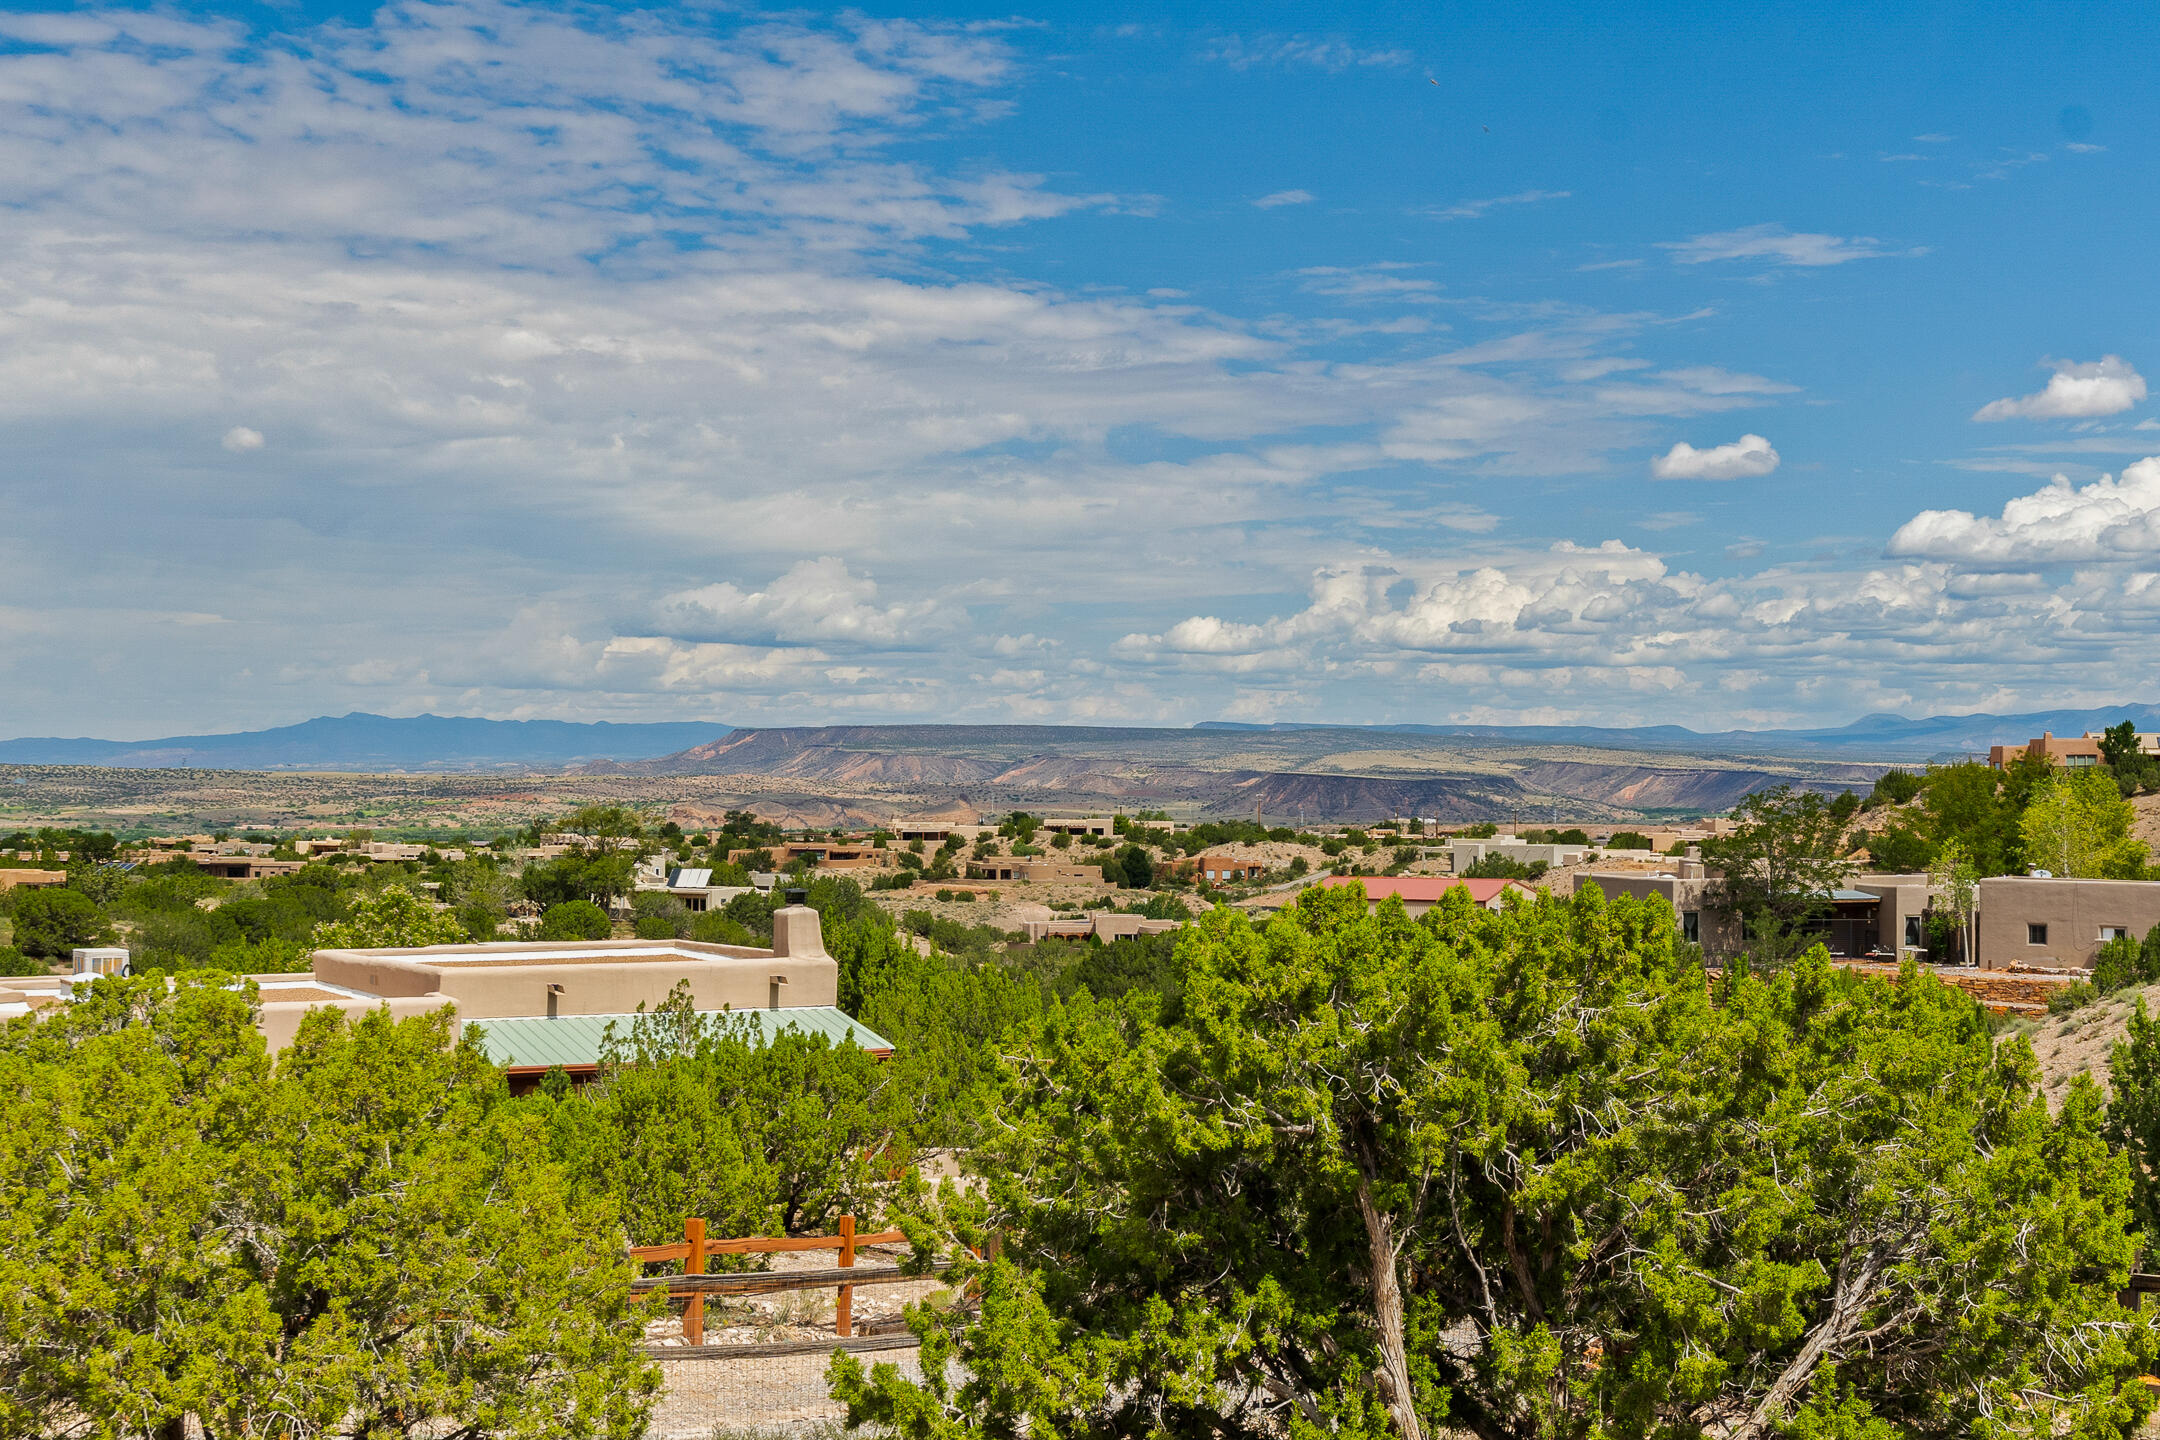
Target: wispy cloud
[1383, 281]
[1476, 209]
[1780, 246]
[2008, 161]
[1242, 52]
[1284, 197]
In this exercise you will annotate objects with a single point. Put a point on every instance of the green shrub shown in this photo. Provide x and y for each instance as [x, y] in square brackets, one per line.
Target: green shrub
[50, 923]
[272, 955]
[1501, 867]
[716, 927]
[575, 920]
[14, 962]
[1895, 787]
[481, 919]
[2123, 961]
[2073, 997]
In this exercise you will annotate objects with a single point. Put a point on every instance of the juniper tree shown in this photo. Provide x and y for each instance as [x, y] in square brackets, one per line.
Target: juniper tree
[1521, 1174]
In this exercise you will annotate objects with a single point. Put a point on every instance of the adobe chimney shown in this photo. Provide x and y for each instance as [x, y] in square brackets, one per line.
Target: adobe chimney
[796, 935]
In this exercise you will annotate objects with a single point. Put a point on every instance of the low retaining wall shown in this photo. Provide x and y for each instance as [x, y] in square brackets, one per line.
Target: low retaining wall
[2003, 992]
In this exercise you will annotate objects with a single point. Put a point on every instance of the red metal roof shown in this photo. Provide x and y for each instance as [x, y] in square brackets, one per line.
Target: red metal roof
[1426, 889]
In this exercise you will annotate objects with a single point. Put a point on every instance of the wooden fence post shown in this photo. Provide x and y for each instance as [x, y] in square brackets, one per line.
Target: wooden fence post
[693, 1317]
[844, 1311]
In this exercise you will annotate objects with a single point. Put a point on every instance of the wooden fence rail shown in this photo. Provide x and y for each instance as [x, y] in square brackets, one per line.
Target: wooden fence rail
[774, 1282]
[694, 1284]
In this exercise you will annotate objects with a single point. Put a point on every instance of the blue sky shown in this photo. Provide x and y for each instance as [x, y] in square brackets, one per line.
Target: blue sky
[1074, 363]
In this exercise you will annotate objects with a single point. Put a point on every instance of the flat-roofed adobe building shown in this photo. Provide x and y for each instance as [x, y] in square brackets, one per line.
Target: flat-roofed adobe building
[1083, 825]
[1220, 869]
[1462, 854]
[1880, 916]
[2060, 924]
[540, 1004]
[1420, 893]
[1105, 927]
[245, 867]
[2069, 752]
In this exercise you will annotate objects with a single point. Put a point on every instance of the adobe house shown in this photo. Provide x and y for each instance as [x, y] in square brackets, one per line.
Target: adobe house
[548, 1003]
[1420, 893]
[1105, 927]
[1870, 915]
[1217, 869]
[2059, 924]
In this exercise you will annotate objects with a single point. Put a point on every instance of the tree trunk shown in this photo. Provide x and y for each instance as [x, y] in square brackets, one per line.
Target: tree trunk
[1848, 1302]
[1388, 1314]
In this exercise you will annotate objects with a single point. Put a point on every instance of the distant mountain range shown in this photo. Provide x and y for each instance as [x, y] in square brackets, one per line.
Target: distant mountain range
[361, 742]
[1874, 737]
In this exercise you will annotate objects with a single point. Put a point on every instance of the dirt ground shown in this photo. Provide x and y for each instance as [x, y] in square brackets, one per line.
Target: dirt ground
[782, 1393]
[2079, 1043]
[2146, 822]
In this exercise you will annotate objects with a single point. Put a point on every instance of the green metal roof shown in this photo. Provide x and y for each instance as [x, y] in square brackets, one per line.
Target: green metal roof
[538, 1041]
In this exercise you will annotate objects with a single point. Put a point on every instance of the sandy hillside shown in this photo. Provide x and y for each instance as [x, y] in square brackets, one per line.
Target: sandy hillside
[2079, 1043]
[2146, 826]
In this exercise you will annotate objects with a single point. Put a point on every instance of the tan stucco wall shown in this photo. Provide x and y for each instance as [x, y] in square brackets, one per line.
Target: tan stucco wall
[280, 1019]
[494, 981]
[1718, 934]
[2073, 911]
[1902, 896]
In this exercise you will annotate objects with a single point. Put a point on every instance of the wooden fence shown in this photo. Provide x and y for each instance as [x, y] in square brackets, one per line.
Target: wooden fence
[694, 1284]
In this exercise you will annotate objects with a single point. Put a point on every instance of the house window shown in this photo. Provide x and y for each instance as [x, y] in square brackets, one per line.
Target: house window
[1913, 934]
[1691, 926]
[2113, 932]
[2035, 934]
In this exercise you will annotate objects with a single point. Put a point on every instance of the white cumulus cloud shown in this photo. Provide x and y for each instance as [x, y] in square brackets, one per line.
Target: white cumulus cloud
[2109, 519]
[2107, 386]
[820, 600]
[1743, 459]
[1284, 197]
[240, 439]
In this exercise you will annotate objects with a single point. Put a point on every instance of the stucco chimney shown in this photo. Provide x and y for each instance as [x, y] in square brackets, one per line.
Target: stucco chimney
[795, 933]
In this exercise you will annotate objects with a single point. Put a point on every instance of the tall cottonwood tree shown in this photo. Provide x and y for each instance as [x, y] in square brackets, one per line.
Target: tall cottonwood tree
[1520, 1174]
